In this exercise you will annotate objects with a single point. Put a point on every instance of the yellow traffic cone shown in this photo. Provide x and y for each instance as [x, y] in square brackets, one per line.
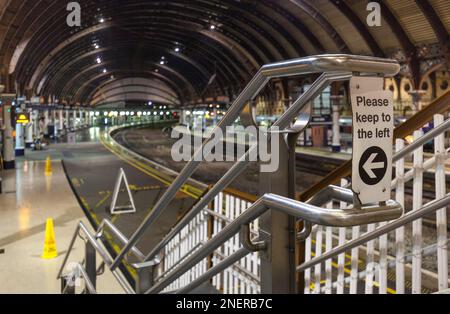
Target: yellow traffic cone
[48, 166]
[50, 251]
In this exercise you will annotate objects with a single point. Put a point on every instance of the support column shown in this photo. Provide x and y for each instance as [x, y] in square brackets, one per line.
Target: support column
[278, 261]
[336, 106]
[54, 124]
[46, 117]
[416, 99]
[8, 140]
[29, 139]
[86, 118]
[61, 121]
[68, 120]
[35, 118]
[20, 141]
[80, 123]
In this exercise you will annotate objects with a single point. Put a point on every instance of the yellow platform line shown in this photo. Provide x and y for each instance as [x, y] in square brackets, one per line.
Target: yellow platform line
[348, 272]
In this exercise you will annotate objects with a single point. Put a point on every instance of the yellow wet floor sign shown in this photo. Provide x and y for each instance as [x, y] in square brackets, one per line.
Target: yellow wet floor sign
[50, 251]
[48, 166]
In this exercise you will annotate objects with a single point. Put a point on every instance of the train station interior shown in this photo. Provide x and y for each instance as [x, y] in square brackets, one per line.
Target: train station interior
[224, 147]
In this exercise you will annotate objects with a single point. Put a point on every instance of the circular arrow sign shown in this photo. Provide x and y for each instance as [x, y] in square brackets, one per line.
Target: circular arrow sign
[373, 165]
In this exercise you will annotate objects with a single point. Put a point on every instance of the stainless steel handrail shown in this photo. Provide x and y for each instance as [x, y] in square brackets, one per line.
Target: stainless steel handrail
[101, 251]
[122, 238]
[422, 140]
[408, 218]
[322, 216]
[345, 64]
[89, 286]
[213, 271]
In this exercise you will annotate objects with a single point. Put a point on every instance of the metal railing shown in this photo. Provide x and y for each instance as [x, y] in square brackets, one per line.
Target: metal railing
[294, 120]
[366, 261]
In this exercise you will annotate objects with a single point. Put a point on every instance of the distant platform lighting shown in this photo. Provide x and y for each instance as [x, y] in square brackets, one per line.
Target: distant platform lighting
[212, 27]
[150, 103]
[98, 60]
[104, 71]
[102, 20]
[177, 49]
[96, 46]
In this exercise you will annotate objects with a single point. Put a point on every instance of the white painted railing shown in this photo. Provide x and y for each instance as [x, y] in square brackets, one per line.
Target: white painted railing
[242, 277]
[410, 259]
[392, 263]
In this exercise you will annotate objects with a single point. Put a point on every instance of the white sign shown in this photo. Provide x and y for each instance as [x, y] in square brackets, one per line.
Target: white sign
[373, 131]
[126, 209]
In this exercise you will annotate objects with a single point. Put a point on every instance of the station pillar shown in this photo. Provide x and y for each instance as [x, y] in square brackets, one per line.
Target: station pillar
[87, 118]
[20, 140]
[8, 140]
[68, 120]
[336, 106]
[416, 100]
[61, 122]
[80, 123]
[29, 138]
[278, 229]
[35, 118]
[53, 123]
[46, 122]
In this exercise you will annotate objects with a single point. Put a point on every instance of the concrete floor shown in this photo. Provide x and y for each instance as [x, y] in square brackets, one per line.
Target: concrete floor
[29, 198]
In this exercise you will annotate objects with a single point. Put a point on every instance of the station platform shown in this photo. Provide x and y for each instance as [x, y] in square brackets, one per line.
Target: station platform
[79, 189]
[30, 197]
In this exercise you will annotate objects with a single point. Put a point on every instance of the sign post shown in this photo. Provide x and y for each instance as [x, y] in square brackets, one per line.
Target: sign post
[373, 131]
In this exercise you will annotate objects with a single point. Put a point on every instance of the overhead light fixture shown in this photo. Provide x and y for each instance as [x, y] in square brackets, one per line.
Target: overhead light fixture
[102, 20]
[150, 103]
[177, 49]
[96, 46]
[99, 60]
[104, 71]
[212, 27]
[161, 62]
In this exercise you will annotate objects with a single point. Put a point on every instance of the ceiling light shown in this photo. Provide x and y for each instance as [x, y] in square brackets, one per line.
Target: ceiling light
[177, 49]
[99, 60]
[212, 27]
[104, 71]
[102, 20]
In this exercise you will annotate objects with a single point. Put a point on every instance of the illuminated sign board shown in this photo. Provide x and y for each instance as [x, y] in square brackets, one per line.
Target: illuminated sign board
[23, 118]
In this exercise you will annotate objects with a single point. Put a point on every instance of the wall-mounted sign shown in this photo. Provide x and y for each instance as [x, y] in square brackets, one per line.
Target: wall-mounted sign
[23, 118]
[373, 131]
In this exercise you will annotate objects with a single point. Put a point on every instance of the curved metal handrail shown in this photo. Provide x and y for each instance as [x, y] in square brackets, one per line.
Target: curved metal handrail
[100, 250]
[317, 215]
[333, 67]
[408, 218]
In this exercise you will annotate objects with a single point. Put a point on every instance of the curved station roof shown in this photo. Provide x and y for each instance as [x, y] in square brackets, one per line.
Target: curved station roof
[179, 51]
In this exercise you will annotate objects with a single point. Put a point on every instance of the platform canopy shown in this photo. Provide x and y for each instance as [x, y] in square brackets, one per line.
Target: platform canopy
[197, 49]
